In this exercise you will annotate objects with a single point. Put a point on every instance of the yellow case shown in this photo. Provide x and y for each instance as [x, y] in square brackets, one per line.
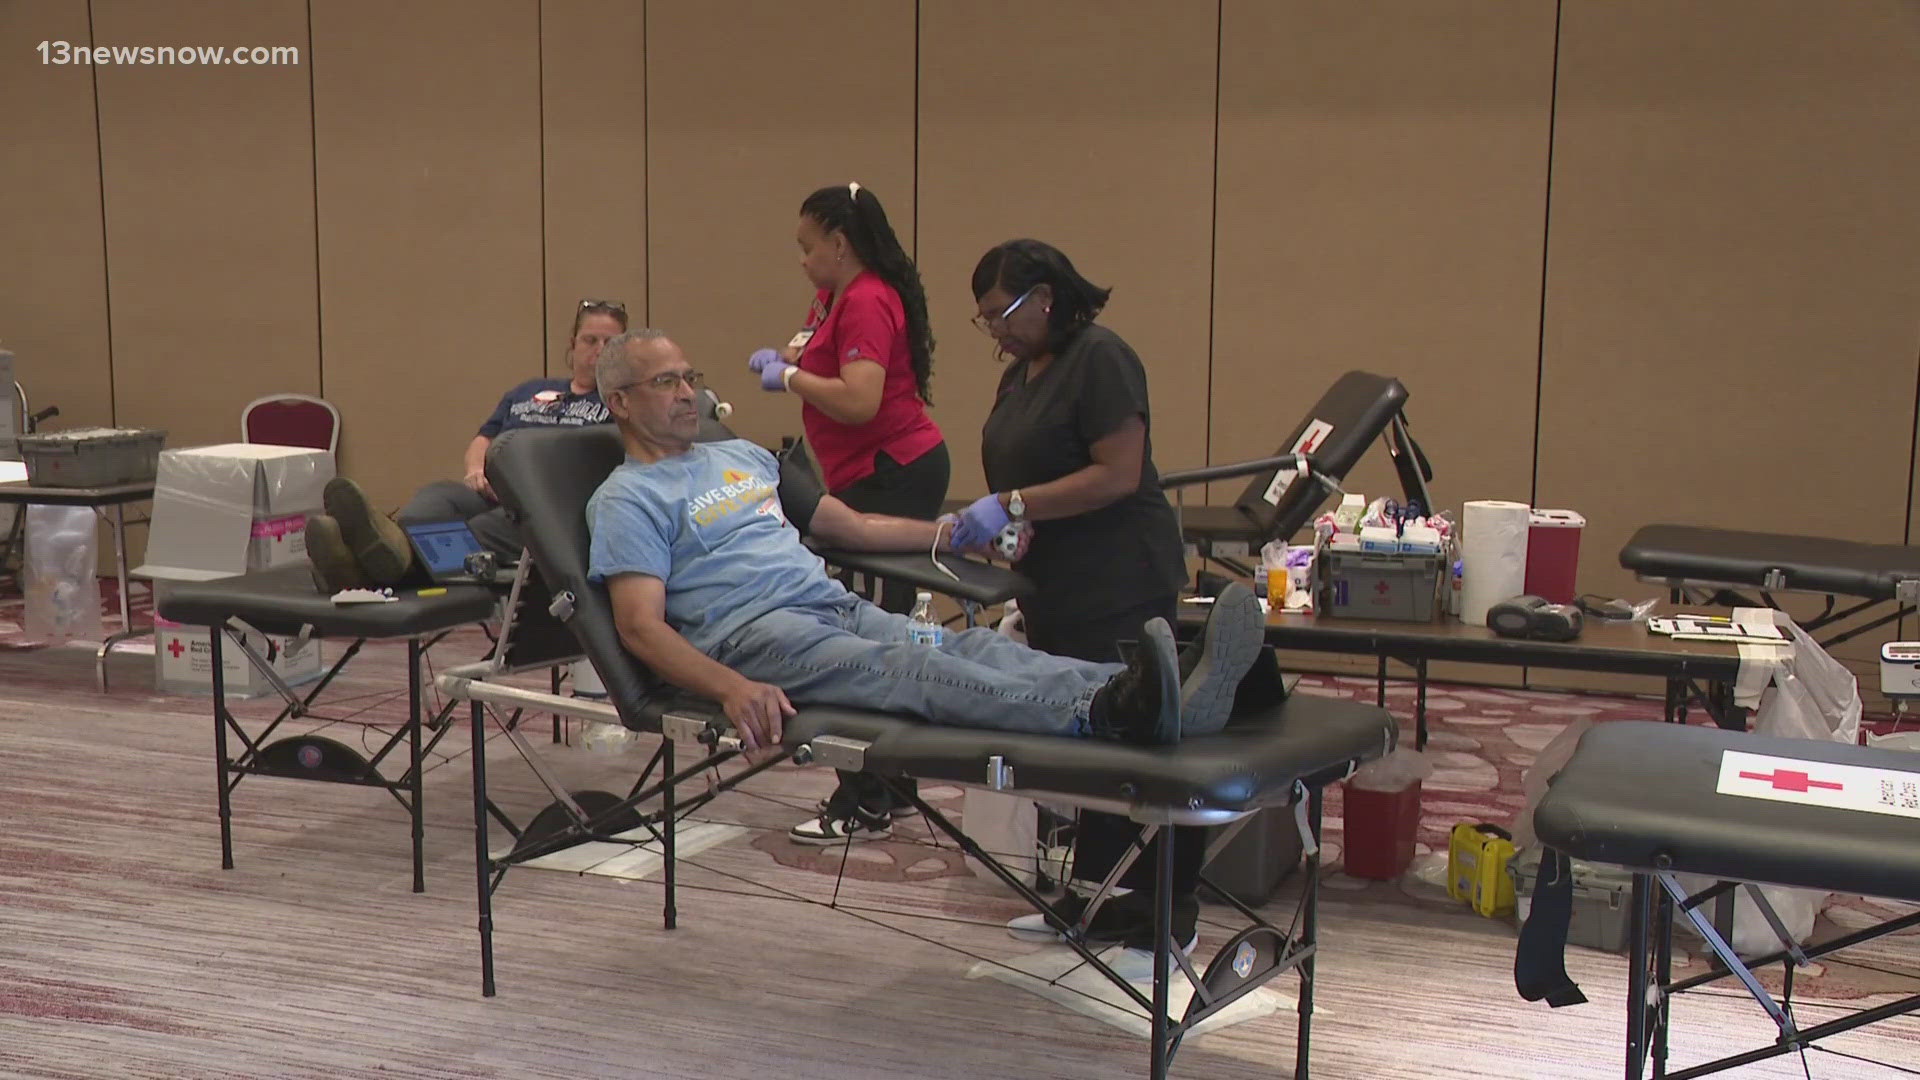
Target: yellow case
[1477, 858]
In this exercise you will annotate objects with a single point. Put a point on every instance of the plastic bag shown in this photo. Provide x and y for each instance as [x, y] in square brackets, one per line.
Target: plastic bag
[1546, 765]
[1812, 696]
[1396, 772]
[61, 574]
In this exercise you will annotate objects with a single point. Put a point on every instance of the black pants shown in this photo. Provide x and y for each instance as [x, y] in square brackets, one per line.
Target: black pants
[913, 490]
[1101, 839]
[451, 500]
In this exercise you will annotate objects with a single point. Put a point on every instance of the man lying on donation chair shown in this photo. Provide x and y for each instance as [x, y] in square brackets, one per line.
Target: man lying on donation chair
[713, 591]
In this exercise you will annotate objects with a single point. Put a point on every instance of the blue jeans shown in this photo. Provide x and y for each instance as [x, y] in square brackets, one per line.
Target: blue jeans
[856, 656]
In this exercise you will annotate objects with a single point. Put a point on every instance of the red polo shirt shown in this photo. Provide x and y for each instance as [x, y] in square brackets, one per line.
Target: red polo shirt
[869, 323]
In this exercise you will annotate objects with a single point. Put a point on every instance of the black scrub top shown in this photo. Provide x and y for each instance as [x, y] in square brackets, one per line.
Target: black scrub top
[1106, 560]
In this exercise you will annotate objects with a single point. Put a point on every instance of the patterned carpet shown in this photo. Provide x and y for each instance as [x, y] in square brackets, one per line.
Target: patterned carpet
[125, 951]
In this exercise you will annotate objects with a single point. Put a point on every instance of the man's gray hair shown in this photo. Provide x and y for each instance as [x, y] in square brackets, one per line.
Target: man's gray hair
[614, 367]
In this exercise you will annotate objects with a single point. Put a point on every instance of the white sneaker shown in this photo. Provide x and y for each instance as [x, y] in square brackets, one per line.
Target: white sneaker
[1136, 965]
[856, 826]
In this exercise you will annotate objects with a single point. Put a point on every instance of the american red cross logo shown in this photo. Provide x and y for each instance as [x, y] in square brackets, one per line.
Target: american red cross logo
[176, 648]
[1382, 587]
[1788, 780]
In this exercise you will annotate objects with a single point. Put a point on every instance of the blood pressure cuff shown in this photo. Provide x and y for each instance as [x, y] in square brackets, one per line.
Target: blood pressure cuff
[801, 490]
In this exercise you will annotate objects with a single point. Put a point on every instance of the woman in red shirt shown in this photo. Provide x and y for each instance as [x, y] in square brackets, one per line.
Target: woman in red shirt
[861, 368]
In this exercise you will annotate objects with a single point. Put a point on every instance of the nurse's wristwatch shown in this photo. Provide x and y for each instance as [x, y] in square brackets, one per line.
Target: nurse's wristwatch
[1016, 505]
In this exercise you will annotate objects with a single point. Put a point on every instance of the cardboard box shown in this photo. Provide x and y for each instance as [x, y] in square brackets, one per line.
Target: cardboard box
[183, 662]
[232, 509]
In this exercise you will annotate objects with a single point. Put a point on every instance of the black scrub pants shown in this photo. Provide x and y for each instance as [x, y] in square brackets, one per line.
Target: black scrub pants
[1100, 839]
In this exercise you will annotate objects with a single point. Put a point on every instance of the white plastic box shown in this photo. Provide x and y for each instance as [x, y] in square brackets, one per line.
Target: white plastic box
[232, 509]
[183, 661]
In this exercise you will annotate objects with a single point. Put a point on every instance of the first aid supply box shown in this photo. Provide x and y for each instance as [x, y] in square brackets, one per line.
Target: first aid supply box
[93, 457]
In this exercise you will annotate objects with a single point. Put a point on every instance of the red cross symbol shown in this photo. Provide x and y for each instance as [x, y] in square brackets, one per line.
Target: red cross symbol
[1382, 587]
[1788, 780]
[176, 648]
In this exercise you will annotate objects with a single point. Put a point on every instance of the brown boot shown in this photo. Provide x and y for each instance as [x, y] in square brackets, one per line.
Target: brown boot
[333, 566]
[377, 543]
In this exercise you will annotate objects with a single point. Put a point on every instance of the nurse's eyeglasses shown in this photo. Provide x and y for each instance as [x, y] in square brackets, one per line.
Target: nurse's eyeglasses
[986, 323]
[604, 306]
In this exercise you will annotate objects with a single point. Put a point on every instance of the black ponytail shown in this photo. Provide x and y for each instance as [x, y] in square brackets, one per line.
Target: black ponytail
[856, 212]
[1018, 265]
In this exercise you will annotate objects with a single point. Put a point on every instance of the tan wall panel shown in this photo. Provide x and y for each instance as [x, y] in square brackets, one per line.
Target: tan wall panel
[431, 288]
[594, 109]
[1381, 206]
[1382, 200]
[749, 109]
[53, 285]
[1733, 263]
[209, 208]
[1089, 126]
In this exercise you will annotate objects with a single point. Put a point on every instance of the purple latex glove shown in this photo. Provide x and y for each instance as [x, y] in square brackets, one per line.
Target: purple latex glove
[980, 523]
[773, 374]
[761, 358]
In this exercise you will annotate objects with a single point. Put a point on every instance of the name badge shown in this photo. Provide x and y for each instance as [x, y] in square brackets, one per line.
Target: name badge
[800, 340]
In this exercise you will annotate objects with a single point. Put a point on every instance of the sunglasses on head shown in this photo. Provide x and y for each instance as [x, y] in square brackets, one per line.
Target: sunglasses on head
[604, 305]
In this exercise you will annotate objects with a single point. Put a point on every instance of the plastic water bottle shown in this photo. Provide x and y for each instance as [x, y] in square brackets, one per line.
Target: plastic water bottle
[923, 626]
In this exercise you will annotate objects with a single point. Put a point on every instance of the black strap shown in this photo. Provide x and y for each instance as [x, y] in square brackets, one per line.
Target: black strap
[1540, 962]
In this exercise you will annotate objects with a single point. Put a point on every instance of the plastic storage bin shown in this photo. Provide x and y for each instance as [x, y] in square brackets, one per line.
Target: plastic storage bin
[1260, 857]
[1366, 585]
[1602, 901]
[92, 457]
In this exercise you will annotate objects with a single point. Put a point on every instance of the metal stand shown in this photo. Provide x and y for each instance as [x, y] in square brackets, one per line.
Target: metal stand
[323, 760]
[1657, 897]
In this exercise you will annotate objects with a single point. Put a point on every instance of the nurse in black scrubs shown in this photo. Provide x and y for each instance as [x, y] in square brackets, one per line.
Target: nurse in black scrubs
[1068, 448]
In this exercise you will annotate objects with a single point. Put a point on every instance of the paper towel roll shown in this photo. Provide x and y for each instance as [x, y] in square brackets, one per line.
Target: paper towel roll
[1493, 554]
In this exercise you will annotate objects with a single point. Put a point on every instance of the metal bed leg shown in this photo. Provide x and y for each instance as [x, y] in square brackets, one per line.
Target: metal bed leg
[1310, 939]
[1162, 950]
[1637, 978]
[417, 782]
[126, 602]
[482, 861]
[220, 755]
[553, 685]
[671, 913]
[1380, 692]
[1662, 978]
[1420, 704]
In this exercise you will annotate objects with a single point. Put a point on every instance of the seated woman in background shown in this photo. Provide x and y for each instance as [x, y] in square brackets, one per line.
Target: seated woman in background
[354, 546]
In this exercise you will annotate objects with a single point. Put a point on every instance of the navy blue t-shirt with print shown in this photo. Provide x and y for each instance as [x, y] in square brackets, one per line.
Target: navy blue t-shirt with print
[545, 403]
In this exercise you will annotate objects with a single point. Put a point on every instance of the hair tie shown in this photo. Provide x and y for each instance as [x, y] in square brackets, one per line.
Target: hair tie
[853, 190]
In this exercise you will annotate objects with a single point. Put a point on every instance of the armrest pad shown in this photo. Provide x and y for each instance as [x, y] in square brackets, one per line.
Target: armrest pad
[1208, 473]
[982, 583]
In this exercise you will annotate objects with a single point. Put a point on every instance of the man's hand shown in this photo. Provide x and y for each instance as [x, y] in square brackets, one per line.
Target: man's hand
[759, 713]
[477, 480]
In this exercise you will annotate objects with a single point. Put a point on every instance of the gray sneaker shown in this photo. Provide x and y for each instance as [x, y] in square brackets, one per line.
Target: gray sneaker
[1226, 648]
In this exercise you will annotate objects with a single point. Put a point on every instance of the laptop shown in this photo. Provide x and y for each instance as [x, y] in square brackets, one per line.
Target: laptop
[442, 547]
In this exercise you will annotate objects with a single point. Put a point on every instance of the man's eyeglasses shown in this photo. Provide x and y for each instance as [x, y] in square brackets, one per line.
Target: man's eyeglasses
[986, 323]
[695, 380]
[604, 305]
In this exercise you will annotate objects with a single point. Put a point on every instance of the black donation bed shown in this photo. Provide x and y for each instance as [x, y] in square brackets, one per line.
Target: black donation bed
[1277, 755]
